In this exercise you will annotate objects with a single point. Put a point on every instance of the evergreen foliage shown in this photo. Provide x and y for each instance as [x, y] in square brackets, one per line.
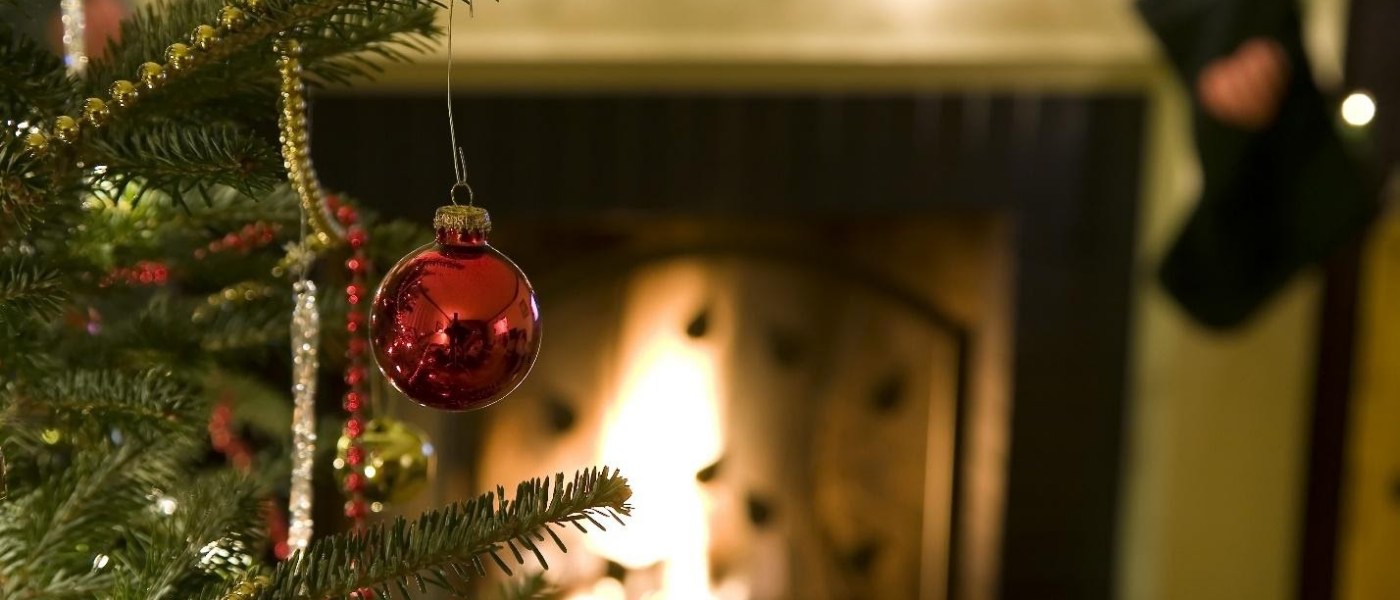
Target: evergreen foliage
[108, 375]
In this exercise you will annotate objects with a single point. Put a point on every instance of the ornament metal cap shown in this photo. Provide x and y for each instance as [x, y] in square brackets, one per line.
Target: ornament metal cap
[463, 219]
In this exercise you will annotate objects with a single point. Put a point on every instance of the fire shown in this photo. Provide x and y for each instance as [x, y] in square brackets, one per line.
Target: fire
[661, 428]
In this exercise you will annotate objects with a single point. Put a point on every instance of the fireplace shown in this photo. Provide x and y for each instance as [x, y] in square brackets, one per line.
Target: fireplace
[784, 396]
[844, 345]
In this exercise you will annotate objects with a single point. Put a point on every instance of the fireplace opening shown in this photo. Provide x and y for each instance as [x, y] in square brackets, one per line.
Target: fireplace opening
[787, 399]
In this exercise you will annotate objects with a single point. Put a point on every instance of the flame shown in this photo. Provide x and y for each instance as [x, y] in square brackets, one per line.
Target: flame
[662, 428]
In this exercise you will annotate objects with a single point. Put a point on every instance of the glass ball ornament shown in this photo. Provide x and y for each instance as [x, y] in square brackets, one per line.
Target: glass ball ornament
[395, 461]
[455, 325]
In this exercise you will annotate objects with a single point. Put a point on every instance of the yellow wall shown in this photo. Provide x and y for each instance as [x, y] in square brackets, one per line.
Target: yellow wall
[1217, 459]
[1215, 462]
[1369, 553]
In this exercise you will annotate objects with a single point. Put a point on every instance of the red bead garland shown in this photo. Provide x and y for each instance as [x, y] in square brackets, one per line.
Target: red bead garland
[145, 272]
[225, 441]
[355, 506]
[253, 235]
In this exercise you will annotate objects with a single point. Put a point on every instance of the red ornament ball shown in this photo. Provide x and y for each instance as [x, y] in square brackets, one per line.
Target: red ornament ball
[455, 325]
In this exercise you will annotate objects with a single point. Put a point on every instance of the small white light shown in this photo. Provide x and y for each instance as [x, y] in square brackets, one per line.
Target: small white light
[166, 505]
[1359, 109]
[370, 472]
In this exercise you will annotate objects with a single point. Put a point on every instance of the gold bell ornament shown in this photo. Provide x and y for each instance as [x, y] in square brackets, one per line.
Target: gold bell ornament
[392, 462]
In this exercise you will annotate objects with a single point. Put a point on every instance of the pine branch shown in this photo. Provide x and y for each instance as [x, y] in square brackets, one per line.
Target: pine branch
[30, 295]
[241, 65]
[149, 405]
[242, 83]
[447, 547]
[53, 535]
[145, 35]
[22, 189]
[33, 81]
[336, 50]
[208, 536]
[179, 159]
[28, 292]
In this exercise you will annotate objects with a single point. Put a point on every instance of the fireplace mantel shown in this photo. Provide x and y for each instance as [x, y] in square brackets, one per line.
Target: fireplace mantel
[631, 44]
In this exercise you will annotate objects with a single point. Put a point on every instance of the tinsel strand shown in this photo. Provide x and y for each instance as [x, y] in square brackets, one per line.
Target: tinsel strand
[306, 328]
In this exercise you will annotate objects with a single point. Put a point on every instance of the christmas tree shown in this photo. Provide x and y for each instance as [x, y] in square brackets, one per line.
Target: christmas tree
[154, 200]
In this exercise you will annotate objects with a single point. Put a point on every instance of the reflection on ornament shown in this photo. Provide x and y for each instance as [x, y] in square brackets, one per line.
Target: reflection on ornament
[455, 324]
[396, 460]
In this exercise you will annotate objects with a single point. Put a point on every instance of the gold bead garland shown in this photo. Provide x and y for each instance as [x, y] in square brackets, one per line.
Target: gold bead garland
[65, 128]
[95, 112]
[150, 75]
[123, 93]
[231, 18]
[247, 291]
[247, 589]
[178, 57]
[37, 143]
[203, 37]
[296, 155]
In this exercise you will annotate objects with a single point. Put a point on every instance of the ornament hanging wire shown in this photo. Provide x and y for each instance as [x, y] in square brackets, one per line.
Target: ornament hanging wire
[459, 159]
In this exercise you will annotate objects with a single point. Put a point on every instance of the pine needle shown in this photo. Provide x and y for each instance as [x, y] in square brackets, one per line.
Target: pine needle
[448, 539]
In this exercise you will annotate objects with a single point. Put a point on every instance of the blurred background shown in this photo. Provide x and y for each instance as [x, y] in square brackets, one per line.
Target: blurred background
[864, 297]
